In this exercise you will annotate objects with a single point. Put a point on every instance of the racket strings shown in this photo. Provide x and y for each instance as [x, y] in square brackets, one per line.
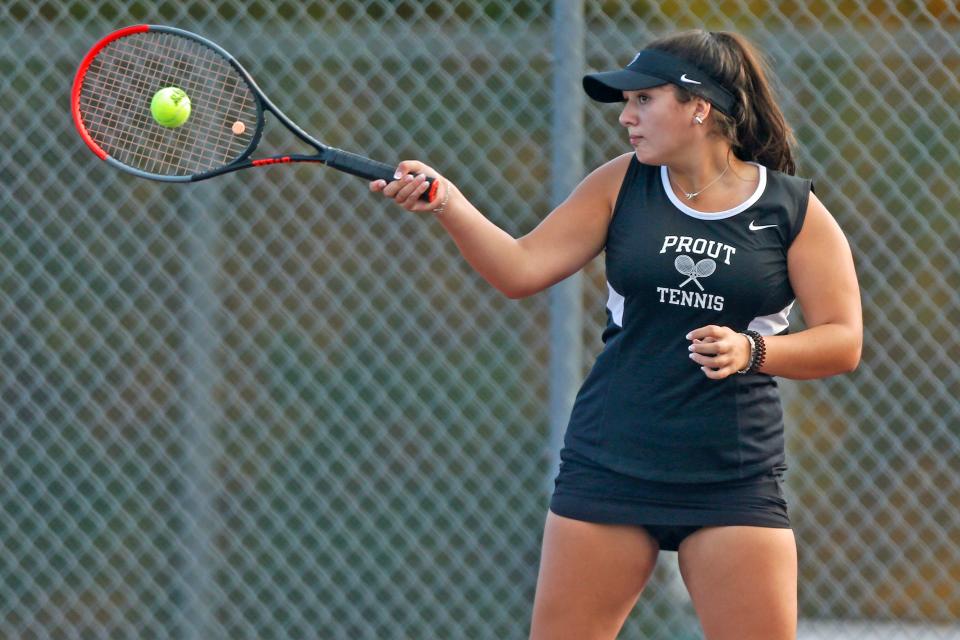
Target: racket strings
[209, 141]
[148, 137]
[121, 81]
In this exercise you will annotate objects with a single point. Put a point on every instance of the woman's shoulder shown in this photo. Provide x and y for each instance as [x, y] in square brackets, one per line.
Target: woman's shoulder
[609, 176]
[616, 167]
[624, 167]
[789, 194]
[789, 181]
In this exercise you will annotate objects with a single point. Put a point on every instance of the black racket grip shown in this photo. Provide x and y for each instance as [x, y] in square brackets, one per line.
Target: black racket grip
[364, 167]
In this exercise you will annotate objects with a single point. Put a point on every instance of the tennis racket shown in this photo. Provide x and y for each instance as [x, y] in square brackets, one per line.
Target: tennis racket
[702, 269]
[111, 106]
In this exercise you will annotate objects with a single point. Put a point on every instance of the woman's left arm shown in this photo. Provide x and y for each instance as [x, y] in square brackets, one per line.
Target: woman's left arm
[822, 274]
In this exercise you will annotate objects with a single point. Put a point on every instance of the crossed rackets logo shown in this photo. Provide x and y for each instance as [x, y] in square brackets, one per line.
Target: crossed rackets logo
[694, 270]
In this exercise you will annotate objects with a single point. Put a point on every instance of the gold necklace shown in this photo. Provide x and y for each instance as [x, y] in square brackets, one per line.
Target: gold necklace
[691, 196]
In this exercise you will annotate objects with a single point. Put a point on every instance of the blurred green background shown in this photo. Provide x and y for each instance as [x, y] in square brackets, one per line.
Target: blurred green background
[272, 406]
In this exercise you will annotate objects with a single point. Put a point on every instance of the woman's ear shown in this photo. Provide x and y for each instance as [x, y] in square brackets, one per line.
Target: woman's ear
[701, 111]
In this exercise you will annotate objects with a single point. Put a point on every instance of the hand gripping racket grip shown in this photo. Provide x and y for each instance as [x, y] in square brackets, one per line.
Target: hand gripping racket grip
[370, 169]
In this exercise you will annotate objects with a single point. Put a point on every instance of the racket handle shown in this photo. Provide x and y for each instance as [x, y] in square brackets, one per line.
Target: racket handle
[364, 167]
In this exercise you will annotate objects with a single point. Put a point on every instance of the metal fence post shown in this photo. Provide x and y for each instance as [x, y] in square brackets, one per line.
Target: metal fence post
[200, 412]
[566, 168]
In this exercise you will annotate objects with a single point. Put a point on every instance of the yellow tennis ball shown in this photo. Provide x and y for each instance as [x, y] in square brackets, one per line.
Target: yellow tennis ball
[170, 107]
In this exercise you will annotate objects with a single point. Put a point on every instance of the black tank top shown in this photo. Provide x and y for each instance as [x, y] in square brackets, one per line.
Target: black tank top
[646, 409]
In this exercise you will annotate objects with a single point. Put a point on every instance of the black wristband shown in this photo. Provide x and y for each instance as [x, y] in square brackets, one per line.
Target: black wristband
[758, 354]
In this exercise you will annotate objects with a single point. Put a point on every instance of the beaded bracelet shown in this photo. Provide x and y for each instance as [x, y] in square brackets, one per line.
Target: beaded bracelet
[758, 351]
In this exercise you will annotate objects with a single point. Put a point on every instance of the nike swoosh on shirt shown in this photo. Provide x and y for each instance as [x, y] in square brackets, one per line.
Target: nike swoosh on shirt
[754, 227]
[684, 78]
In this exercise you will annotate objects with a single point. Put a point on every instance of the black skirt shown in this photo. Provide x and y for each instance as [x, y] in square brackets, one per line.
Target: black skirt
[670, 511]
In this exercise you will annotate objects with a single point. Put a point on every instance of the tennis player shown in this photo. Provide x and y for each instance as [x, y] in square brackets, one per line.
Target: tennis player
[675, 441]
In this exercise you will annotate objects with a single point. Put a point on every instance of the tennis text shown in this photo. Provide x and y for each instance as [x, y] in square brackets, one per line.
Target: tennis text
[698, 246]
[690, 299]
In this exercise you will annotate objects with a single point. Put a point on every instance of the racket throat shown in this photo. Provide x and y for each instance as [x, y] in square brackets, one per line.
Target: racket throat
[285, 159]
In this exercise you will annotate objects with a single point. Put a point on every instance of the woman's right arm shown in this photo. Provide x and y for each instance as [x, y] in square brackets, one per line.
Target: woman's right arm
[566, 240]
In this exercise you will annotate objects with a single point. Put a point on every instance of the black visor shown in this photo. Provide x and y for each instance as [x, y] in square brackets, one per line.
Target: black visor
[652, 68]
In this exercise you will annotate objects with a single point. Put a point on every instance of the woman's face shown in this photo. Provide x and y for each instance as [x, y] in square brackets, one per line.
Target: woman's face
[657, 124]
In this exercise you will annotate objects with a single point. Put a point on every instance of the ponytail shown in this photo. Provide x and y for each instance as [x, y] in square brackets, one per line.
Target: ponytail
[757, 130]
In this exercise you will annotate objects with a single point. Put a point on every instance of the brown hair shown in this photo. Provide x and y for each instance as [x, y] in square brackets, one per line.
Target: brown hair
[757, 130]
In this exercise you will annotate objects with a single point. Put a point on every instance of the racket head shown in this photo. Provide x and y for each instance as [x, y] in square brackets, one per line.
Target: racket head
[117, 79]
[705, 268]
[684, 264]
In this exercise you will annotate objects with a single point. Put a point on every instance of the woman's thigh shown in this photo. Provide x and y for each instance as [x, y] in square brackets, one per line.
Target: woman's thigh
[743, 582]
[590, 578]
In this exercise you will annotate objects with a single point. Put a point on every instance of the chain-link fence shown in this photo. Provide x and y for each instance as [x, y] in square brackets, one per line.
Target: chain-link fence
[271, 406]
